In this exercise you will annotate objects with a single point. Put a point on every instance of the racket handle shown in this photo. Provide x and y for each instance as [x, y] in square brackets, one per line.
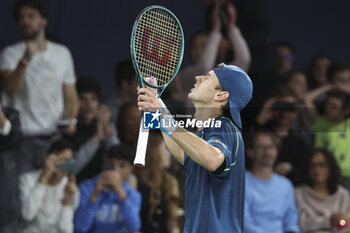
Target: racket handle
[141, 148]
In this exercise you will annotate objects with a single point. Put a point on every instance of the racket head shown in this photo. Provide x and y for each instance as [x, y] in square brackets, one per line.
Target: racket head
[157, 46]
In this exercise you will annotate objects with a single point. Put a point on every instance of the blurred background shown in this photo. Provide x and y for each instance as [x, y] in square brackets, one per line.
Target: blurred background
[98, 34]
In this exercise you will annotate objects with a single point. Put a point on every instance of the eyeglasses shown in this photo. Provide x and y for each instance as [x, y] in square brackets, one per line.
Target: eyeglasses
[289, 57]
[268, 147]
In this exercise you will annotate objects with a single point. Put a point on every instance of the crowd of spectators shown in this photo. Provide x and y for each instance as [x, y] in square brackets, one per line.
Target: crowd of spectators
[66, 153]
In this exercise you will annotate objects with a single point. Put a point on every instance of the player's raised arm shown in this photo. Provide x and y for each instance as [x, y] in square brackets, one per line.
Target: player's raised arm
[209, 96]
[182, 141]
[218, 97]
[174, 148]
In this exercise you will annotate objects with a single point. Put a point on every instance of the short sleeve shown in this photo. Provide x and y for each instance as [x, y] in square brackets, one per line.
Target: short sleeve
[8, 60]
[69, 76]
[226, 139]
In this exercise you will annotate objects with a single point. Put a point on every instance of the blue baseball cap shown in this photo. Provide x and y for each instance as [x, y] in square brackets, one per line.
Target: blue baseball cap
[238, 84]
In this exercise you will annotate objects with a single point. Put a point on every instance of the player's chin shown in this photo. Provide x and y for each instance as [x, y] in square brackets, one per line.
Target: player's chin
[191, 94]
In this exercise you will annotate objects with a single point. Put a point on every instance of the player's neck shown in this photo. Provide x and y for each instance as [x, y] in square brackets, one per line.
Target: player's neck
[204, 113]
[264, 173]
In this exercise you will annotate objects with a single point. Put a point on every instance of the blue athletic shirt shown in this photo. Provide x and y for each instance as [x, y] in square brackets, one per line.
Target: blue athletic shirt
[215, 203]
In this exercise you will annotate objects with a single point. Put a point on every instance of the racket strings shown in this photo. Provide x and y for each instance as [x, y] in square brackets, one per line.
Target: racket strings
[158, 42]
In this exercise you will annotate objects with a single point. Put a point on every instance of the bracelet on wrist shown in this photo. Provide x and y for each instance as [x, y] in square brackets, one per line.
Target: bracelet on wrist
[23, 63]
[74, 121]
[43, 180]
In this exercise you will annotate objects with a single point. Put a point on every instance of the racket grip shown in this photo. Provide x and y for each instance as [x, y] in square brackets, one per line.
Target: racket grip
[141, 148]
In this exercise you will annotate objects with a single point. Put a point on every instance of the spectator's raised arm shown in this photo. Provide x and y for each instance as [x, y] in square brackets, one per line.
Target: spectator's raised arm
[242, 53]
[312, 96]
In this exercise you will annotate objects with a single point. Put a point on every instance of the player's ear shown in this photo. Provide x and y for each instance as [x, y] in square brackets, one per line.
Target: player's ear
[222, 96]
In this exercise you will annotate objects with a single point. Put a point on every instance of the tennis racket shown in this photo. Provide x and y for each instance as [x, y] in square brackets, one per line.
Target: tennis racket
[157, 45]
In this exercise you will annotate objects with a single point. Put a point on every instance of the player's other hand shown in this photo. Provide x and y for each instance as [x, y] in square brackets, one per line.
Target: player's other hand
[147, 97]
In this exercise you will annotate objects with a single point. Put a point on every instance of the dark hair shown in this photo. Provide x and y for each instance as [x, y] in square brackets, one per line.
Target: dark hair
[226, 111]
[334, 170]
[341, 95]
[336, 67]
[124, 70]
[120, 123]
[39, 5]
[161, 184]
[310, 68]
[283, 91]
[89, 85]
[251, 138]
[284, 44]
[121, 151]
[285, 79]
[61, 145]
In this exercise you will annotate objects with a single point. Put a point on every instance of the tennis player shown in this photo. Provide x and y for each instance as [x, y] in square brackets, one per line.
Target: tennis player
[213, 158]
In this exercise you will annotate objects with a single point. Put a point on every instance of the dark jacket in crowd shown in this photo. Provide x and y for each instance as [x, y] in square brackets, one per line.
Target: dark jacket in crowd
[9, 144]
[81, 136]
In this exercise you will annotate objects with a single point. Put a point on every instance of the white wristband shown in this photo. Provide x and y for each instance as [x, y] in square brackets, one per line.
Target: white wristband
[168, 124]
[163, 108]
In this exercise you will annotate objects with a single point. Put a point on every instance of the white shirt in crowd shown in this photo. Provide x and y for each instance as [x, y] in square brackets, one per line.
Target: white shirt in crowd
[40, 99]
[42, 207]
[4, 131]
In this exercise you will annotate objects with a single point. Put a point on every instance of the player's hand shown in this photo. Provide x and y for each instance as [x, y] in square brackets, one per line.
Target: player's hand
[147, 97]
[152, 80]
